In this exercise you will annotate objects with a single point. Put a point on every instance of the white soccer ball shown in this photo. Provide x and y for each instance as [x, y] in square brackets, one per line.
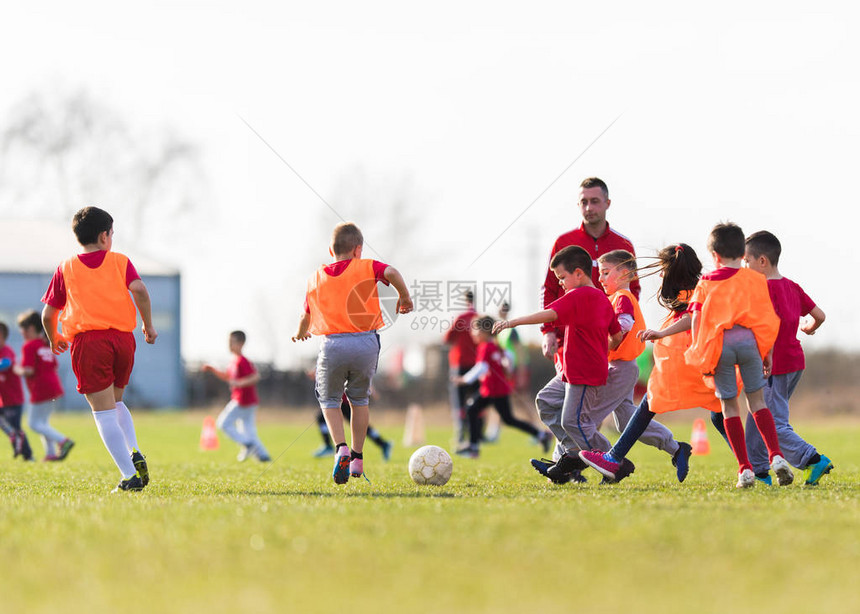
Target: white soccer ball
[430, 465]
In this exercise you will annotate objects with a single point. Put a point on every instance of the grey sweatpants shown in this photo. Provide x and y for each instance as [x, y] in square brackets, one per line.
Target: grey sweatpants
[795, 450]
[574, 413]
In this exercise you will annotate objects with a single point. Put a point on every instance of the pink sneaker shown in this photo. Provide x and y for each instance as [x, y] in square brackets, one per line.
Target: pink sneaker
[598, 460]
[51, 458]
[356, 467]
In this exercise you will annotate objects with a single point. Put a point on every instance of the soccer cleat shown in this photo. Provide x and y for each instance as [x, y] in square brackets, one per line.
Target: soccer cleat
[600, 462]
[245, 452]
[133, 483]
[746, 479]
[50, 458]
[323, 451]
[139, 461]
[681, 460]
[561, 472]
[340, 474]
[356, 467]
[784, 474]
[65, 448]
[386, 450]
[469, 451]
[765, 479]
[813, 473]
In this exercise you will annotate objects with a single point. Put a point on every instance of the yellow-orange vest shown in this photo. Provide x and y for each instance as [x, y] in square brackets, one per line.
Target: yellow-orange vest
[742, 299]
[673, 384]
[345, 303]
[97, 299]
[632, 346]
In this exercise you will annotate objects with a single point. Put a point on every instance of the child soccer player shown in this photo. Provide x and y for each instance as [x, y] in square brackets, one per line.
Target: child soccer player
[39, 369]
[238, 419]
[673, 384]
[12, 399]
[495, 389]
[734, 324]
[616, 269]
[89, 296]
[342, 304]
[566, 401]
[790, 303]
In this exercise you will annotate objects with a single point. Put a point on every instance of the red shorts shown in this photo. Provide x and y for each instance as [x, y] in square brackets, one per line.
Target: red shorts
[102, 358]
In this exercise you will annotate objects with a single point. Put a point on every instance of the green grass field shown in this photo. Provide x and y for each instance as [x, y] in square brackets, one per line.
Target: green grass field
[210, 535]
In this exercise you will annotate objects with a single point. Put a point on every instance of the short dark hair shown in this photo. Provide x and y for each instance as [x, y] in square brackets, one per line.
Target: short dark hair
[238, 335]
[595, 182]
[571, 258]
[89, 223]
[345, 238]
[764, 243]
[620, 257]
[727, 240]
[484, 323]
[30, 318]
[4, 330]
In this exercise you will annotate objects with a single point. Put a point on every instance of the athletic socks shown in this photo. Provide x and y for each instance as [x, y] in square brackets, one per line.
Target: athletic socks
[108, 426]
[127, 425]
[735, 434]
[765, 425]
[354, 454]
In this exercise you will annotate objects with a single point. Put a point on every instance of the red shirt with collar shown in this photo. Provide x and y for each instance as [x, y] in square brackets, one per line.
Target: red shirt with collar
[605, 243]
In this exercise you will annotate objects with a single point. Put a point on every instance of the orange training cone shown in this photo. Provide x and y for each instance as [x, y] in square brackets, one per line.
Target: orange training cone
[208, 436]
[699, 440]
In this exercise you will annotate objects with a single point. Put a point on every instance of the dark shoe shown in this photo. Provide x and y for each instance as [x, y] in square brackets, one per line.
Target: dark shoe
[681, 460]
[562, 471]
[139, 461]
[543, 466]
[132, 483]
[65, 448]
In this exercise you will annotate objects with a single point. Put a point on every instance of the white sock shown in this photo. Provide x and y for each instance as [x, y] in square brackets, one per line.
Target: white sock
[127, 425]
[114, 440]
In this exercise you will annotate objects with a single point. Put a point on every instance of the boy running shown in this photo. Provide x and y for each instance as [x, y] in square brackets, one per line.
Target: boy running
[342, 304]
[89, 296]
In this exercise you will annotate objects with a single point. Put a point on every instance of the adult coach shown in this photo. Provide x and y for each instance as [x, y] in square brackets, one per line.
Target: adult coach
[596, 237]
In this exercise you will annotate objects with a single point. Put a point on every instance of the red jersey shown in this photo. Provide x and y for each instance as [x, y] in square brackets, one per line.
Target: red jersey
[790, 303]
[44, 384]
[11, 391]
[588, 319]
[239, 368]
[463, 349]
[494, 383]
[55, 295]
[605, 243]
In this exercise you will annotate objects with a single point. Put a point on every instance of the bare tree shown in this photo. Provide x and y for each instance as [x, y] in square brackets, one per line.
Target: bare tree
[59, 152]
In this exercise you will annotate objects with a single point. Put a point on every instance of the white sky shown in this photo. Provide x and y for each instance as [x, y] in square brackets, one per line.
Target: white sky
[747, 113]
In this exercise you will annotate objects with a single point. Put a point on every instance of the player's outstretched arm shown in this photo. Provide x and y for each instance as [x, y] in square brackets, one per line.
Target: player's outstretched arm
[144, 306]
[539, 317]
[302, 333]
[50, 315]
[404, 302]
[682, 325]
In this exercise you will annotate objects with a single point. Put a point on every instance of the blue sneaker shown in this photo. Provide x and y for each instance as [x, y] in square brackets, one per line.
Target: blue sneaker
[341, 466]
[681, 460]
[813, 473]
[766, 480]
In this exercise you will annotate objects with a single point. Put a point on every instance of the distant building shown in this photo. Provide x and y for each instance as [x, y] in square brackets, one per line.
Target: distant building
[30, 252]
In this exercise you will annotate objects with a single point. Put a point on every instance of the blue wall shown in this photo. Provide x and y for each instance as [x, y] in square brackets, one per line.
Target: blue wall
[158, 379]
